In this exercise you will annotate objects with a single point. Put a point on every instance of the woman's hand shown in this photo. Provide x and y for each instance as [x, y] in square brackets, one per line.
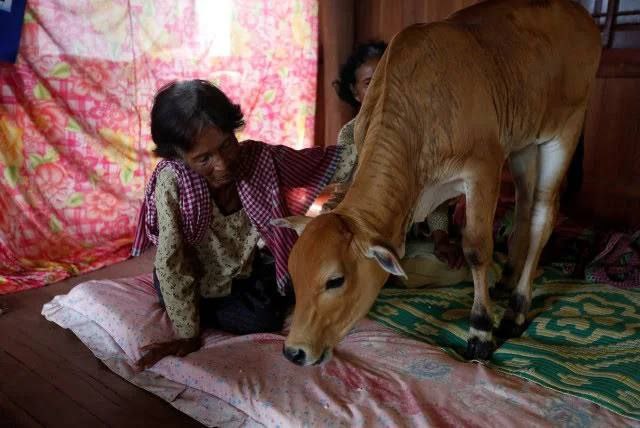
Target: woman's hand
[446, 251]
[157, 351]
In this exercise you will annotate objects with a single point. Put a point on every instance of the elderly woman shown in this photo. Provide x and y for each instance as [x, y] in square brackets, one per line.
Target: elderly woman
[207, 205]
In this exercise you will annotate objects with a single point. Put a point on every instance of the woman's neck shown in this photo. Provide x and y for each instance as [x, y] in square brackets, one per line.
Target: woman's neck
[226, 199]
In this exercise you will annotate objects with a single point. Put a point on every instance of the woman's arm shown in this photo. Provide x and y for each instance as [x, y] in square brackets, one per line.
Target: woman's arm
[444, 249]
[346, 165]
[175, 277]
[438, 220]
[348, 155]
[306, 167]
[173, 269]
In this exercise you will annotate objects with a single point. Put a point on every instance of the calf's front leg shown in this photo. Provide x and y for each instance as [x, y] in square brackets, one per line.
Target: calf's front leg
[481, 191]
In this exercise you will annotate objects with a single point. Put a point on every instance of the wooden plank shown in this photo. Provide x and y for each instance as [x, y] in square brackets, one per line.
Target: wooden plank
[46, 403]
[49, 360]
[382, 19]
[86, 390]
[612, 154]
[336, 38]
[620, 63]
[79, 374]
[13, 415]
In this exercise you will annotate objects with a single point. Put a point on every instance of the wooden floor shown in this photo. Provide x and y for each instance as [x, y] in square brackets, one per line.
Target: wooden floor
[49, 378]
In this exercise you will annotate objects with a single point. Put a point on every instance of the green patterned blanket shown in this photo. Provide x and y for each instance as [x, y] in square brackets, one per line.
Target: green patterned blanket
[584, 339]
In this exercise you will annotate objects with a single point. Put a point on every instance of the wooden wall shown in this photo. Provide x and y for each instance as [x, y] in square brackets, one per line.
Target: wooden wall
[611, 185]
[381, 19]
[336, 43]
[611, 188]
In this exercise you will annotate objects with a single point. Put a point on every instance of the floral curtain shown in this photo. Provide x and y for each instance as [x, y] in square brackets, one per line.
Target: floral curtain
[75, 147]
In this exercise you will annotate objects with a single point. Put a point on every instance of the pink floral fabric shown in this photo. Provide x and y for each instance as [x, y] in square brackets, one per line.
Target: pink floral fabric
[74, 113]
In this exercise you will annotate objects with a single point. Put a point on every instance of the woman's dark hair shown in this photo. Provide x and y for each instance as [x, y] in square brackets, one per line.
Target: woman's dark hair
[347, 77]
[182, 109]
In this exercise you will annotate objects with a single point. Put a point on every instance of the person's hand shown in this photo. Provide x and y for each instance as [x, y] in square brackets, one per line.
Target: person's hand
[157, 351]
[447, 251]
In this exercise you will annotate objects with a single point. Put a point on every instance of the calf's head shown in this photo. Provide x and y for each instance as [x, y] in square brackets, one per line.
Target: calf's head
[337, 273]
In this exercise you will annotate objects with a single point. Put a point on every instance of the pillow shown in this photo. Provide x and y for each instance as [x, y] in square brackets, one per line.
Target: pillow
[127, 309]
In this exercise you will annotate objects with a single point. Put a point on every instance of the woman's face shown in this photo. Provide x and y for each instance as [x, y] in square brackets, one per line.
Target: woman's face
[364, 73]
[214, 155]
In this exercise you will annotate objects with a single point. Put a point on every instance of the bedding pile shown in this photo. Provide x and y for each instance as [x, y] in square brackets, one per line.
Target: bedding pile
[377, 377]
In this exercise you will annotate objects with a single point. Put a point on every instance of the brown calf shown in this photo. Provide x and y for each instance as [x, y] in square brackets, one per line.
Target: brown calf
[448, 104]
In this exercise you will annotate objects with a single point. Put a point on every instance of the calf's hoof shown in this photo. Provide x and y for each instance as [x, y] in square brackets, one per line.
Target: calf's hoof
[479, 349]
[499, 291]
[509, 327]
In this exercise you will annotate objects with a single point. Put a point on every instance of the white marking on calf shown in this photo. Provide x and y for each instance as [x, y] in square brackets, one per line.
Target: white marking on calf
[484, 336]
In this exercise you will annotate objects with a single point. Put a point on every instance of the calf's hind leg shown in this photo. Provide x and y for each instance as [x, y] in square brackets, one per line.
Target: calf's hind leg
[523, 166]
[553, 161]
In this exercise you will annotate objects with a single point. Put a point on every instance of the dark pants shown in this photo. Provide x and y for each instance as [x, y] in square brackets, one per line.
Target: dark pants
[254, 305]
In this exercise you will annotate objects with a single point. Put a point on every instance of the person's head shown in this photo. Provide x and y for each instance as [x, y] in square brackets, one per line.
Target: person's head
[195, 121]
[356, 72]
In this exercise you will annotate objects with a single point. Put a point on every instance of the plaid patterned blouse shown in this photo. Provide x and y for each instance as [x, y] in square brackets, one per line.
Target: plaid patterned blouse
[274, 182]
